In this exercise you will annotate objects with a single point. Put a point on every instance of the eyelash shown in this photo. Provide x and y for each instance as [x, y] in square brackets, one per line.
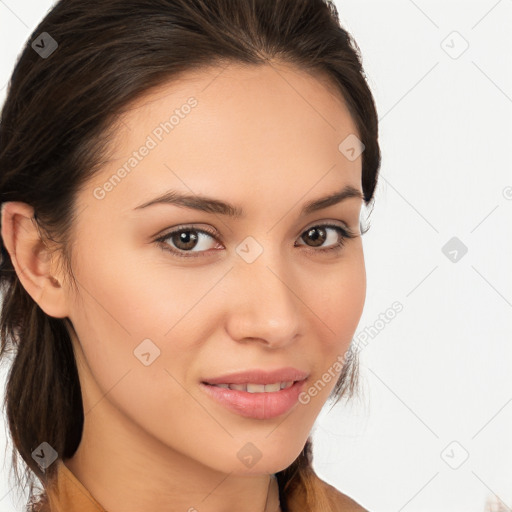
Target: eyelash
[343, 232]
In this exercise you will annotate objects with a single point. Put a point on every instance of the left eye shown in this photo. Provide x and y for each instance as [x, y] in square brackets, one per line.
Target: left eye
[184, 239]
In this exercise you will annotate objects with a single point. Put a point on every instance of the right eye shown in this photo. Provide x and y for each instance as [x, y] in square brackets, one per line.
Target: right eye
[184, 239]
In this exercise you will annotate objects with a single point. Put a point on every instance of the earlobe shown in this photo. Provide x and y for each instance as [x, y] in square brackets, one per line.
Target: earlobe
[32, 259]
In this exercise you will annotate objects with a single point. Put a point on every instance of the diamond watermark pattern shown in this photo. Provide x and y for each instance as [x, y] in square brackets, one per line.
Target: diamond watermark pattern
[351, 147]
[44, 455]
[454, 44]
[455, 455]
[249, 455]
[454, 249]
[44, 45]
[146, 352]
[249, 249]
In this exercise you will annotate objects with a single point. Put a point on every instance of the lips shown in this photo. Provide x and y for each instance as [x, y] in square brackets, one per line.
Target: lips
[257, 394]
[258, 376]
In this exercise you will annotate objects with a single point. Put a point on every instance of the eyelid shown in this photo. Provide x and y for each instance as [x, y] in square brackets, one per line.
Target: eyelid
[213, 232]
[192, 226]
[338, 223]
[346, 233]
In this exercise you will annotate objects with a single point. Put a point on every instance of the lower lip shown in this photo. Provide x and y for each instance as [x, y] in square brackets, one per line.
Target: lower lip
[260, 406]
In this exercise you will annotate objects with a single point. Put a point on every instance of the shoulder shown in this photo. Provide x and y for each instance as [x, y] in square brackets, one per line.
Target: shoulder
[314, 494]
[339, 502]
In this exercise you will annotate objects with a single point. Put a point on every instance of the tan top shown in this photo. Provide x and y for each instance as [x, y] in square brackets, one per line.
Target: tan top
[67, 494]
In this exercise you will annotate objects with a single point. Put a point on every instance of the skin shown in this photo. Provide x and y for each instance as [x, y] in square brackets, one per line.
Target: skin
[265, 138]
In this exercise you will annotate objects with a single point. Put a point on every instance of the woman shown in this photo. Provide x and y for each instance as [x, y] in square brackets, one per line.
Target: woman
[183, 272]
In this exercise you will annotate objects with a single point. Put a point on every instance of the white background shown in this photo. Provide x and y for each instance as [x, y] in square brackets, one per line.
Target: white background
[436, 383]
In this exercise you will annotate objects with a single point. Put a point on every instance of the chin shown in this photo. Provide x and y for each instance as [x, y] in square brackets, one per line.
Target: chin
[258, 458]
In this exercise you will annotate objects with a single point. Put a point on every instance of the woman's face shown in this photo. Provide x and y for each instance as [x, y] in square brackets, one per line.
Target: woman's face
[253, 292]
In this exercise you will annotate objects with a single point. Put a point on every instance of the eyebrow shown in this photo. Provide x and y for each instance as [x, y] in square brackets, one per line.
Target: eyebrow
[212, 205]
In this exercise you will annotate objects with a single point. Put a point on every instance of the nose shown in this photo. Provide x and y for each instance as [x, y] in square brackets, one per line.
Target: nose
[262, 302]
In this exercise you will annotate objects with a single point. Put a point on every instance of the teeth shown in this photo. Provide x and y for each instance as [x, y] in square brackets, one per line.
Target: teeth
[238, 387]
[255, 388]
[258, 388]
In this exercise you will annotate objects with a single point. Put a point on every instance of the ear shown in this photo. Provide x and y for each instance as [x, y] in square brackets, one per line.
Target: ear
[31, 258]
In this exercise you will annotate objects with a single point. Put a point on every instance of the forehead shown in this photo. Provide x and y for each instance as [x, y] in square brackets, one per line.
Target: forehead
[269, 128]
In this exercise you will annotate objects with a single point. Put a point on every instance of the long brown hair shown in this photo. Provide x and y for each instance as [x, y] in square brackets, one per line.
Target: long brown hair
[55, 126]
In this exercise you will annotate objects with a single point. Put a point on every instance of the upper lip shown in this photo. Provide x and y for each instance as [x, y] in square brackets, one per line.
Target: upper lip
[258, 376]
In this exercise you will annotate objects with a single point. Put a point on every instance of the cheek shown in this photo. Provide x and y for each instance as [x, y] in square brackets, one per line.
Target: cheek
[121, 321]
[131, 307]
[133, 296]
[339, 296]
[338, 299]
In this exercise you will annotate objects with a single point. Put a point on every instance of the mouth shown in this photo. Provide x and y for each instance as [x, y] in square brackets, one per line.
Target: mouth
[256, 394]
[256, 388]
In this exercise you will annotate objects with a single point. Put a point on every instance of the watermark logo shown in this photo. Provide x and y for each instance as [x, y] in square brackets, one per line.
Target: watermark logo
[44, 455]
[454, 44]
[351, 147]
[249, 455]
[455, 455]
[44, 45]
[146, 352]
[454, 249]
[249, 249]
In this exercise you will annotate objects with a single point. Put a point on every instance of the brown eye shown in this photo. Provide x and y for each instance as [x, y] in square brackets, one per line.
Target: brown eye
[317, 235]
[183, 240]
